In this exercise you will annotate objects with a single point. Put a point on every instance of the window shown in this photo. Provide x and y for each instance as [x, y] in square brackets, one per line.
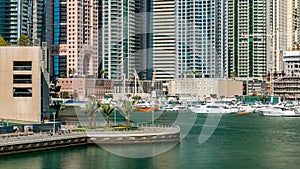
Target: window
[23, 65]
[23, 79]
[22, 92]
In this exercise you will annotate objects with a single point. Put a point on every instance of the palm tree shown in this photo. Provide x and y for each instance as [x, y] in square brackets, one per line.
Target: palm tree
[91, 108]
[136, 98]
[107, 109]
[126, 107]
[101, 73]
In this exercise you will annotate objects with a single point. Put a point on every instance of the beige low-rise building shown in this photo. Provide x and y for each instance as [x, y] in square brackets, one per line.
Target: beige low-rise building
[23, 84]
[204, 87]
[85, 87]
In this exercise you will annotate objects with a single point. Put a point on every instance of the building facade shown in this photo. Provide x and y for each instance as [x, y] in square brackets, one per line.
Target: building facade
[163, 39]
[85, 87]
[122, 38]
[287, 87]
[248, 38]
[74, 48]
[18, 17]
[291, 62]
[204, 87]
[24, 88]
[284, 31]
[201, 38]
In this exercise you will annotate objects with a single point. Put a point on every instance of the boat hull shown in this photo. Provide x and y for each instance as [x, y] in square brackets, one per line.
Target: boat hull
[146, 109]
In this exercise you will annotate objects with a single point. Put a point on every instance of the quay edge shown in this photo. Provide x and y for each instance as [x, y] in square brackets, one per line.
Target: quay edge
[37, 142]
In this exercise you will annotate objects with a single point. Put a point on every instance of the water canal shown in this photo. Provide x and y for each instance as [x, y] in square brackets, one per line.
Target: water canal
[239, 142]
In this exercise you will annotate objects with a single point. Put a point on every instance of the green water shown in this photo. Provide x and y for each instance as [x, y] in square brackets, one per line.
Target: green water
[239, 142]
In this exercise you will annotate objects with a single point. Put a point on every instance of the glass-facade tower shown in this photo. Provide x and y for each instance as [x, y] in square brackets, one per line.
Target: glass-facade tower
[162, 52]
[59, 62]
[122, 38]
[74, 44]
[249, 36]
[201, 38]
[19, 17]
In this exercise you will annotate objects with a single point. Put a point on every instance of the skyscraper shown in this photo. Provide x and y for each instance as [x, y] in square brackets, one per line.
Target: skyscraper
[19, 17]
[74, 50]
[248, 33]
[201, 38]
[118, 38]
[284, 28]
[189, 38]
[163, 39]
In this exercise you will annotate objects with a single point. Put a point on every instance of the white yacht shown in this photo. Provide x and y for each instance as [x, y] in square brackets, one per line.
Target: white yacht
[280, 111]
[207, 108]
[169, 107]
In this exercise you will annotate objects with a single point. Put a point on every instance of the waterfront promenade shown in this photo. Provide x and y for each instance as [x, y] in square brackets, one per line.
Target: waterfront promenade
[17, 143]
[9, 139]
[148, 134]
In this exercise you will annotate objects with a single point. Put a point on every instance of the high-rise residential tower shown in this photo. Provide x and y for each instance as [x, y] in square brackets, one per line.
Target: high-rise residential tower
[119, 38]
[74, 50]
[248, 36]
[284, 27]
[162, 47]
[292, 8]
[189, 38]
[201, 38]
[19, 17]
[259, 32]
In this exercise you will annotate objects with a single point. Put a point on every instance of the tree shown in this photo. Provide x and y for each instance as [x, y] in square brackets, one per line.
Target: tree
[3, 42]
[233, 74]
[65, 94]
[264, 98]
[222, 97]
[57, 107]
[101, 73]
[71, 71]
[126, 107]
[136, 98]
[74, 95]
[24, 40]
[107, 109]
[91, 108]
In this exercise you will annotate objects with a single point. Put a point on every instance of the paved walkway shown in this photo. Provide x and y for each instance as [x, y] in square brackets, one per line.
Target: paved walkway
[37, 137]
[147, 130]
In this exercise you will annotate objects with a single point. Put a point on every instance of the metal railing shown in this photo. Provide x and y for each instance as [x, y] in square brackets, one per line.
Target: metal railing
[8, 139]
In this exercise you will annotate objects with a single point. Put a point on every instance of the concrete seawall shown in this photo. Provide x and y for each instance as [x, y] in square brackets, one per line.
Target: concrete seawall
[148, 135]
[37, 142]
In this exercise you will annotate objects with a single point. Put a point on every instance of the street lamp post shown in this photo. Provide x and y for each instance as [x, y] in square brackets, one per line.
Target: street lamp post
[54, 122]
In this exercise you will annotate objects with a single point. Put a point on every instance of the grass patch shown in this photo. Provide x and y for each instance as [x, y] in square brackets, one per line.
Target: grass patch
[107, 128]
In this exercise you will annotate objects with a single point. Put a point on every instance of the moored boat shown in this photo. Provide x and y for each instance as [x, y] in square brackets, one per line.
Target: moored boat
[169, 107]
[207, 108]
[145, 107]
[280, 112]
